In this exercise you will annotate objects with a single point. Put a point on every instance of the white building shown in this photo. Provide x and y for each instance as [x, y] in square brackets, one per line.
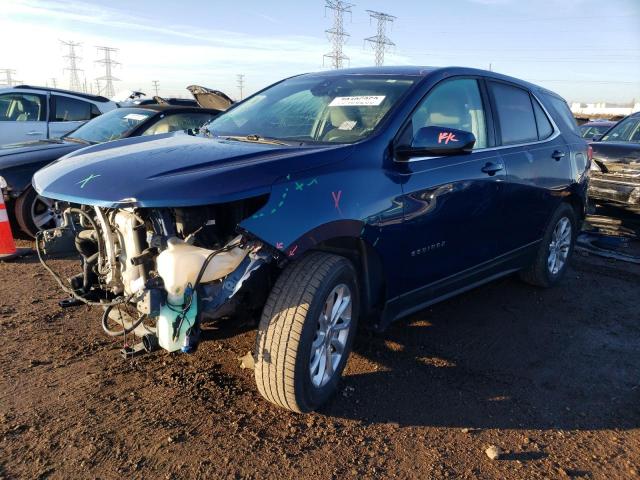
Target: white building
[604, 109]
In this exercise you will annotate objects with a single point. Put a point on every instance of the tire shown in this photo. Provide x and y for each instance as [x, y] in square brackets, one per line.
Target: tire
[31, 212]
[541, 273]
[291, 339]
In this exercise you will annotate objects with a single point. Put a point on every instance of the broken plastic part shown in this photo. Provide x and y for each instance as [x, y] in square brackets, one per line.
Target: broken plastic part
[180, 264]
[215, 297]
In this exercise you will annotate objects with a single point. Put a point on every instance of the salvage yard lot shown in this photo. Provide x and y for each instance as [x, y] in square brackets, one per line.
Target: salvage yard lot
[552, 377]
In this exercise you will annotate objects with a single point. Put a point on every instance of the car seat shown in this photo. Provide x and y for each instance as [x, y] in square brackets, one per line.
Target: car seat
[346, 124]
[29, 111]
[445, 111]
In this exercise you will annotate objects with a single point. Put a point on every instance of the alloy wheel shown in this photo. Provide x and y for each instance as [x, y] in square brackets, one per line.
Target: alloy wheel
[43, 213]
[559, 246]
[331, 335]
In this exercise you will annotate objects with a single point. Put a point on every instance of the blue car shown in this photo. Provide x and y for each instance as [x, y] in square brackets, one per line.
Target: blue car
[324, 200]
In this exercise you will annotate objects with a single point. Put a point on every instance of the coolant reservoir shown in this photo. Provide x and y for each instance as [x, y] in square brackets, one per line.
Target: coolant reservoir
[170, 331]
[181, 262]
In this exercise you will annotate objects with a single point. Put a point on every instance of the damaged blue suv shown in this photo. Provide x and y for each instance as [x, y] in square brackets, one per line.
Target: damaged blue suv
[321, 201]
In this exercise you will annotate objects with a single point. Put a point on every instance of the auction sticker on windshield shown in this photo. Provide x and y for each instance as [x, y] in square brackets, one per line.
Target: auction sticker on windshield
[135, 116]
[358, 101]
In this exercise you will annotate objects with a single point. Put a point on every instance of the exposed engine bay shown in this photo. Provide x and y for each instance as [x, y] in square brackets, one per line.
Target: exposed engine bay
[172, 267]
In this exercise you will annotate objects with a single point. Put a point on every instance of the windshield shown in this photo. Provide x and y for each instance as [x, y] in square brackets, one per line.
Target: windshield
[336, 109]
[112, 125]
[590, 131]
[627, 130]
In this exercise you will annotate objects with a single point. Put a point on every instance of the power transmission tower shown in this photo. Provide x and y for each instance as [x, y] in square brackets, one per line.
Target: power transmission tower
[98, 89]
[380, 42]
[54, 82]
[73, 59]
[9, 81]
[156, 84]
[336, 34]
[240, 84]
[108, 63]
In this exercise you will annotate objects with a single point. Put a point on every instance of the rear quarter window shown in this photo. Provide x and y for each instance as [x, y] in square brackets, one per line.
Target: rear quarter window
[545, 129]
[564, 118]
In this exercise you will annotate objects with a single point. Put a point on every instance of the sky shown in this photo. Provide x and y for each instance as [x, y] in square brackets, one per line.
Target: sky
[586, 50]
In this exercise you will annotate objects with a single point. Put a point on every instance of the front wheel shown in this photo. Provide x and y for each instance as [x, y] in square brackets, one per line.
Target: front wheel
[555, 250]
[306, 332]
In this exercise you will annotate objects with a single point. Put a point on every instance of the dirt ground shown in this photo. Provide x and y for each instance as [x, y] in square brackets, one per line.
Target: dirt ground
[551, 377]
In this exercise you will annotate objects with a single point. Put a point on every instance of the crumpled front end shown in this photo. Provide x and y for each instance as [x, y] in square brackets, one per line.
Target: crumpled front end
[161, 272]
[616, 181]
[616, 189]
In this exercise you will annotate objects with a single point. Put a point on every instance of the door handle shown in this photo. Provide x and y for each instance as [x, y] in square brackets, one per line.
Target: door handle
[491, 168]
[34, 133]
[558, 154]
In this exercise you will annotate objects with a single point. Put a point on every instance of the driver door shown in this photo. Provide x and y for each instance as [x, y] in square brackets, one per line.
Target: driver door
[453, 204]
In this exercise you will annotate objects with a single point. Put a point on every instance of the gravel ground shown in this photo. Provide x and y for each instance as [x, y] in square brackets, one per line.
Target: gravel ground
[551, 378]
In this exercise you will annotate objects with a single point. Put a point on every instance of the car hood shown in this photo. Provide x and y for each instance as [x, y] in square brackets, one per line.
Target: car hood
[175, 171]
[617, 157]
[28, 152]
[208, 98]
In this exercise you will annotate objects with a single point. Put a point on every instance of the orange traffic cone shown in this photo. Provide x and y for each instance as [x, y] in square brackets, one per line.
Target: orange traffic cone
[8, 250]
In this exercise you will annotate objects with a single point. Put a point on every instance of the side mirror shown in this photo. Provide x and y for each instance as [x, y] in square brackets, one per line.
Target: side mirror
[437, 141]
[597, 138]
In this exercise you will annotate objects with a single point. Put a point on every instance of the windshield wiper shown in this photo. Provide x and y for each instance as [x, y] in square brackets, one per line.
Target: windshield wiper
[253, 138]
[77, 140]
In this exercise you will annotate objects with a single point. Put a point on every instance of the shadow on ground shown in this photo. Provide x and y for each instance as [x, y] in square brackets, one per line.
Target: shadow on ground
[510, 356]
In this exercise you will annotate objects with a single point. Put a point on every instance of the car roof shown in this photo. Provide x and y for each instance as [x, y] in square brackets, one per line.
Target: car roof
[88, 96]
[427, 71]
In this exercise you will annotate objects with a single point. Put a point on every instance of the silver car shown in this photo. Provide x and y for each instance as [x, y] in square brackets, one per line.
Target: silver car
[36, 113]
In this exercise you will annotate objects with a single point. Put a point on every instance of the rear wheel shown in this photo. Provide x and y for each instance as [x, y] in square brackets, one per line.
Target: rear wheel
[35, 213]
[306, 332]
[555, 250]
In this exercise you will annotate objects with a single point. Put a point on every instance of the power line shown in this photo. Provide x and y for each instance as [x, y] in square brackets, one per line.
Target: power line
[108, 63]
[9, 81]
[240, 84]
[380, 42]
[73, 59]
[155, 83]
[337, 35]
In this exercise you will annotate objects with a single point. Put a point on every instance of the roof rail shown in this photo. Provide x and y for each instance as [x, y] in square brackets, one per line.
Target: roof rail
[88, 96]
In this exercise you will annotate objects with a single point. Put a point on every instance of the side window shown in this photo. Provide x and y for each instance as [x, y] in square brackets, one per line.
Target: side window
[70, 109]
[545, 129]
[515, 114]
[177, 122]
[565, 116]
[21, 107]
[454, 104]
[95, 112]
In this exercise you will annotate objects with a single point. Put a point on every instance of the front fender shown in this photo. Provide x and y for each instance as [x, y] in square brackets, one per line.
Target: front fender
[307, 209]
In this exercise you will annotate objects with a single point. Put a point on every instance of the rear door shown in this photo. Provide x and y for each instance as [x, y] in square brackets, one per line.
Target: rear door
[68, 113]
[22, 117]
[537, 162]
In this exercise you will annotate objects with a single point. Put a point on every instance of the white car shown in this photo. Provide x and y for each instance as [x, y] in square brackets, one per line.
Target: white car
[36, 113]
